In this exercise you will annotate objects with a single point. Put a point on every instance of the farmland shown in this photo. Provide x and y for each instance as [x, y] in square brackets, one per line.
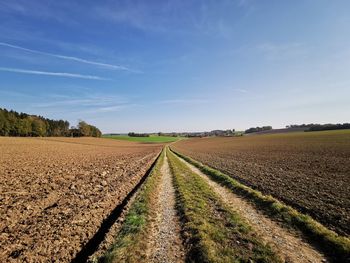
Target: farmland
[55, 192]
[150, 139]
[309, 171]
[102, 200]
[207, 223]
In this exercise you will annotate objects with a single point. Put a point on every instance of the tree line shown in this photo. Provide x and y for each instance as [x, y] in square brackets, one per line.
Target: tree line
[13, 123]
[320, 127]
[133, 134]
[258, 129]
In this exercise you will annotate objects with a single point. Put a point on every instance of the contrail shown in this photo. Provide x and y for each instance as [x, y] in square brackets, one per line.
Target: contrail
[49, 73]
[81, 60]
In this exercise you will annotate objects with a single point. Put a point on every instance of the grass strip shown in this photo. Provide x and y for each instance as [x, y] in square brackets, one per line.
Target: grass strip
[130, 242]
[213, 232]
[333, 245]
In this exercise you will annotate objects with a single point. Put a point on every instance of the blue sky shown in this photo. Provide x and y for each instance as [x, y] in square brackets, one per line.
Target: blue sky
[177, 65]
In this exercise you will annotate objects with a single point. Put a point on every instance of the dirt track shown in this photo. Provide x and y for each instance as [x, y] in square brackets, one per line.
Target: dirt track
[166, 243]
[56, 192]
[289, 246]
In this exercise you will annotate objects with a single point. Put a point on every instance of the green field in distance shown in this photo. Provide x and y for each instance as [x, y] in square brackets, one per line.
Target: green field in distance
[150, 139]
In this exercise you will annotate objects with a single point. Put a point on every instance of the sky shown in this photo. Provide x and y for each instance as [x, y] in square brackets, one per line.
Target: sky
[179, 65]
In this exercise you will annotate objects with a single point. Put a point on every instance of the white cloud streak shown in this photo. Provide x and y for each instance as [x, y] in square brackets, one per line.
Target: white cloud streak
[48, 73]
[275, 51]
[83, 100]
[183, 101]
[76, 59]
[241, 90]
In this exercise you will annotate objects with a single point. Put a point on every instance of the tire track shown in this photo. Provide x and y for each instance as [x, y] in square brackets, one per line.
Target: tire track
[291, 247]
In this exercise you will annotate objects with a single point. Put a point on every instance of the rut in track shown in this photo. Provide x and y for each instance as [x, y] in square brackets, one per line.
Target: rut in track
[290, 247]
[167, 244]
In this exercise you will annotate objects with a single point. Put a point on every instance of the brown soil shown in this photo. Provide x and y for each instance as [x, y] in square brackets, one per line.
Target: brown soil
[109, 238]
[288, 245]
[309, 171]
[165, 242]
[55, 192]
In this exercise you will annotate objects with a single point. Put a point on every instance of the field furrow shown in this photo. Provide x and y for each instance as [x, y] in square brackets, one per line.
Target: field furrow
[288, 245]
[55, 193]
[308, 171]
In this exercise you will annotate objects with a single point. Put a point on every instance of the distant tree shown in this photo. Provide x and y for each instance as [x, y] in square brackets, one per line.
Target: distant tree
[84, 128]
[74, 132]
[12, 121]
[38, 127]
[88, 130]
[95, 132]
[24, 127]
[320, 127]
[133, 134]
[300, 125]
[258, 129]
[324, 127]
[4, 123]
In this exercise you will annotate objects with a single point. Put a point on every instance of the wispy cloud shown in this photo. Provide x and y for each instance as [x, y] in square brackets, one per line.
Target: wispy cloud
[177, 17]
[83, 100]
[15, 94]
[241, 90]
[76, 59]
[277, 51]
[49, 73]
[58, 11]
[69, 102]
[139, 15]
[183, 101]
[115, 108]
[84, 103]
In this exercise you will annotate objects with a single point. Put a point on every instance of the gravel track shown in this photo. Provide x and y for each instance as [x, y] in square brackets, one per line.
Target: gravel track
[291, 247]
[167, 244]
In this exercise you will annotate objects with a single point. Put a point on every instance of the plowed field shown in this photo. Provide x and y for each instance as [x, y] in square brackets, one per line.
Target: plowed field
[309, 171]
[56, 192]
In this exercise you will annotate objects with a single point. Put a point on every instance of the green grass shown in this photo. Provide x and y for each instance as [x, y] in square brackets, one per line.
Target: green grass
[214, 233]
[129, 245]
[150, 139]
[335, 246]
